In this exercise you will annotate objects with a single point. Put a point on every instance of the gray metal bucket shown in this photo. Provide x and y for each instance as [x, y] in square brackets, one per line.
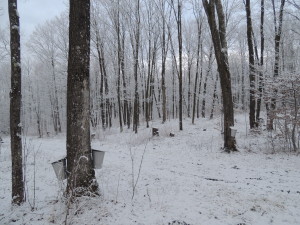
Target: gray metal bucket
[97, 157]
[233, 132]
[60, 168]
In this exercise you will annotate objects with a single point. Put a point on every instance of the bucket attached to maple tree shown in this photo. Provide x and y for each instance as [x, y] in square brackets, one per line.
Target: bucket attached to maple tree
[97, 157]
[60, 168]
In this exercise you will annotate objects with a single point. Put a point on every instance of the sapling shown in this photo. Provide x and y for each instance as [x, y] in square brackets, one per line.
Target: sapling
[134, 181]
[29, 148]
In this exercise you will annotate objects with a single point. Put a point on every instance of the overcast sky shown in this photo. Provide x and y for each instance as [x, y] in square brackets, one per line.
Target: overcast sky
[32, 13]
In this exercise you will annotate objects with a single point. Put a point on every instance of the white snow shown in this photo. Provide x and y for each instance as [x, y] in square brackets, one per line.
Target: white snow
[185, 178]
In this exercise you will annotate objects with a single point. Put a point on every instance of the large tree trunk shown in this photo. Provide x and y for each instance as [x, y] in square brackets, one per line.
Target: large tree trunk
[81, 176]
[18, 195]
[251, 66]
[220, 45]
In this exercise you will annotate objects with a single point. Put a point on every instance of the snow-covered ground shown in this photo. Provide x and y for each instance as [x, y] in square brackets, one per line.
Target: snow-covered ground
[184, 178]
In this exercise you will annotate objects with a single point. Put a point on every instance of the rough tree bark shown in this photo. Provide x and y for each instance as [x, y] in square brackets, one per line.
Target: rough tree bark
[18, 194]
[251, 66]
[81, 176]
[218, 34]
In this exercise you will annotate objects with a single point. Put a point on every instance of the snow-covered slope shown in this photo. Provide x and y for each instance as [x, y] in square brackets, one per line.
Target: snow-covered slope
[186, 178]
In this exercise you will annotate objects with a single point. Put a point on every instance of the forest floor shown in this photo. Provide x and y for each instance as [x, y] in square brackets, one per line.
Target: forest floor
[186, 178]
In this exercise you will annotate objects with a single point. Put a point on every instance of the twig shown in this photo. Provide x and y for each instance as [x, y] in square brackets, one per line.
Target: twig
[140, 168]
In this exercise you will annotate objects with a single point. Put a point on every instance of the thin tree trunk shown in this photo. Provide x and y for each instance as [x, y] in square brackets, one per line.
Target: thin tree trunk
[218, 34]
[189, 87]
[179, 29]
[210, 61]
[243, 60]
[200, 85]
[199, 48]
[261, 63]
[100, 61]
[135, 70]
[18, 194]
[251, 66]
[126, 116]
[149, 80]
[215, 96]
[56, 107]
[173, 92]
[278, 32]
[163, 67]
[119, 68]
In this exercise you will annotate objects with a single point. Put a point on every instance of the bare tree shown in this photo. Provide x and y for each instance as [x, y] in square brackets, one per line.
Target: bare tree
[215, 96]
[136, 46]
[119, 50]
[251, 66]
[208, 73]
[278, 33]
[18, 194]
[151, 61]
[218, 34]
[199, 57]
[81, 176]
[44, 44]
[293, 2]
[261, 62]
[178, 18]
[179, 30]
[164, 52]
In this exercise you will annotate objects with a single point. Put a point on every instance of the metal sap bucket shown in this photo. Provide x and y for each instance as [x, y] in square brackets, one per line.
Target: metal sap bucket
[60, 168]
[233, 132]
[97, 157]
